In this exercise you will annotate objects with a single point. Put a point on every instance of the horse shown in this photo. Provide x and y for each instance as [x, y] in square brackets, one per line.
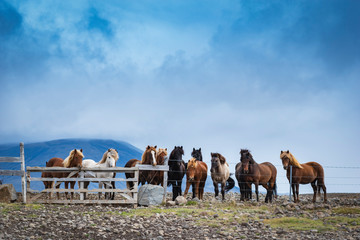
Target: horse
[245, 191]
[158, 176]
[177, 171]
[108, 160]
[148, 157]
[53, 162]
[310, 172]
[73, 160]
[196, 174]
[263, 174]
[197, 154]
[220, 173]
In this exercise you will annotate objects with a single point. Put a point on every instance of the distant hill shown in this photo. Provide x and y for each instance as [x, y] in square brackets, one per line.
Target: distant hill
[37, 154]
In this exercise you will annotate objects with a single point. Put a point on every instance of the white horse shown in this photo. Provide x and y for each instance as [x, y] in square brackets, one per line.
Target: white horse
[108, 160]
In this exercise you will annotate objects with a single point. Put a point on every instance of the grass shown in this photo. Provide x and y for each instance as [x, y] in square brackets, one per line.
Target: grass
[298, 223]
[347, 210]
[351, 222]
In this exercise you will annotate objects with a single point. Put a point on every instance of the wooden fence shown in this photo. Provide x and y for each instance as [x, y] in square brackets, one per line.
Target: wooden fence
[20, 172]
[128, 196]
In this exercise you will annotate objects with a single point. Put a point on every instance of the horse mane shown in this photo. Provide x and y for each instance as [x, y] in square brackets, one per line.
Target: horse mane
[113, 153]
[292, 159]
[161, 154]
[176, 153]
[221, 157]
[192, 162]
[69, 158]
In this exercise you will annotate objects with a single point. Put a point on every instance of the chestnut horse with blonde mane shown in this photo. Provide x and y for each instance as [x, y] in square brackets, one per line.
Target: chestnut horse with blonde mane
[196, 174]
[148, 157]
[310, 172]
[157, 177]
[260, 174]
[73, 160]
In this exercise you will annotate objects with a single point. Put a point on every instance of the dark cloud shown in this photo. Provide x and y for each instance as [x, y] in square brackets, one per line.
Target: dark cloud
[10, 19]
[98, 23]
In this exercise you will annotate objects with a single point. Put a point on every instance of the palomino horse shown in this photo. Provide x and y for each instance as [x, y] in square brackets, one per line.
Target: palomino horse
[197, 154]
[220, 173]
[177, 171]
[148, 157]
[263, 174]
[73, 160]
[108, 160]
[245, 191]
[158, 176]
[310, 172]
[196, 174]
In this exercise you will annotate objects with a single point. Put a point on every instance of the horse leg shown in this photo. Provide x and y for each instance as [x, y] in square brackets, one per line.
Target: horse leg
[187, 188]
[66, 187]
[321, 184]
[293, 190]
[297, 192]
[197, 184]
[179, 185]
[216, 189]
[113, 193]
[193, 190]
[267, 197]
[313, 185]
[223, 190]
[72, 185]
[257, 191]
[86, 184]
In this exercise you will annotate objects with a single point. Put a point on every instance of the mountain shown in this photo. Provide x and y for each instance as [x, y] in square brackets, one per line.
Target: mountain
[37, 154]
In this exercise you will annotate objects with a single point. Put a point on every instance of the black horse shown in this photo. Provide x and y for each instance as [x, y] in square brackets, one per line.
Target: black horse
[197, 154]
[177, 171]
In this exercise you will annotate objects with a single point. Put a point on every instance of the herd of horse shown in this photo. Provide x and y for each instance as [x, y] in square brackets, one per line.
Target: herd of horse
[247, 172]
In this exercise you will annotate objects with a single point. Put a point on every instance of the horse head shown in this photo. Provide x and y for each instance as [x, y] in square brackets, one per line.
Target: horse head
[149, 156]
[216, 160]
[161, 154]
[197, 154]
[191, 169]
[245, 158]
[288, 159]
[110, 160]
[74, 159]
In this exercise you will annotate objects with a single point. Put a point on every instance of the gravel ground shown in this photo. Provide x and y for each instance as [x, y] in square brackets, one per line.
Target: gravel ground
[207, 219]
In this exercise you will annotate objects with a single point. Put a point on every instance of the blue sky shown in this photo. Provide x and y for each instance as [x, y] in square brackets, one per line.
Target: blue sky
[221, 75]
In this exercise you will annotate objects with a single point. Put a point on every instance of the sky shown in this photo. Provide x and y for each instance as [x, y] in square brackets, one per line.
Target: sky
[220, 75]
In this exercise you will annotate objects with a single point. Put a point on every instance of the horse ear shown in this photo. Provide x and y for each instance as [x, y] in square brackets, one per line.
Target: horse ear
[81, 150]
[222, 159]
[109, 150]
[281, 152]
[193, 149]
[287, 151]
[181, 147]
[165, 149]
[155, 146]
[200, 149]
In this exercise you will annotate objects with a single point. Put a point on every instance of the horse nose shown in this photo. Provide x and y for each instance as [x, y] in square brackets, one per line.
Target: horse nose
[191, 179]
[285, 167]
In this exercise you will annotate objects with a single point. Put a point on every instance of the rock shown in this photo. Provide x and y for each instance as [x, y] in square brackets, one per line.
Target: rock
[7, 193]
[195, 199]
[170, 203]
[150, 195]
[180, 200]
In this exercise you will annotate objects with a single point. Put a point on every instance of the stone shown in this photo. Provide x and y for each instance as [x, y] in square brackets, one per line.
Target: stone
[150, 195]
[170, 203]
[180, 200]
[7, 193]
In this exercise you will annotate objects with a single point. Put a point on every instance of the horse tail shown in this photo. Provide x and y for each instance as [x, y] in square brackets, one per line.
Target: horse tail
[230, 183]
[275, 190]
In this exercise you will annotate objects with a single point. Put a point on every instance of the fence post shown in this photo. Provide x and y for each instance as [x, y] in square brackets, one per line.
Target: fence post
[166, 163]
[23, 176]
[81, 185]
[290, 180]
[136, 185]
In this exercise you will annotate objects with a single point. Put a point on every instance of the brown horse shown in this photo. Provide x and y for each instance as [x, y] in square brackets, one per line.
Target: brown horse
[53, 162]
[196, 174]
[73, 160]
[245, 192]
[158, 176]
[310, 172]
[263, 174]
[220, 173]
[148, 157]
